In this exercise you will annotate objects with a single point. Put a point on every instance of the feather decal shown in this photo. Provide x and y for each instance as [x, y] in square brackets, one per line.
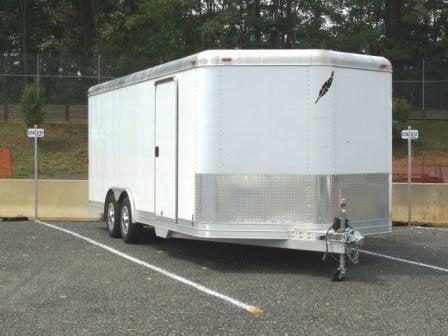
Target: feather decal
[324, 89]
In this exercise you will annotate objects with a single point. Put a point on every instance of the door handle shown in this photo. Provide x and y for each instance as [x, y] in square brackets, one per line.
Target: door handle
[156, 151]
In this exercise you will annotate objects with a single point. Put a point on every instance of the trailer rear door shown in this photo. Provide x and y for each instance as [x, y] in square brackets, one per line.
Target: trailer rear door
[165, 193]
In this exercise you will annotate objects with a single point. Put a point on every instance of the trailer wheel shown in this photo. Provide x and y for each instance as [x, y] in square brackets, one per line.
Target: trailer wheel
[111, 216]
[129, 231]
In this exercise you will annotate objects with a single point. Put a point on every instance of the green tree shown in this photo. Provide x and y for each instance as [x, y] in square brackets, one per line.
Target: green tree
[32, 104]
[400, 112]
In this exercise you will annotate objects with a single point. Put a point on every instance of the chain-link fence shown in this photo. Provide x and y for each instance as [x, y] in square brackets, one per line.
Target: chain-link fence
[65, 79]
[63, 151]
[424, 84]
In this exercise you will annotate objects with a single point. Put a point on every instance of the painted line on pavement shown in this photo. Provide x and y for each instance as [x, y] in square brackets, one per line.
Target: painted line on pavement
[437, 268]
[254, 310]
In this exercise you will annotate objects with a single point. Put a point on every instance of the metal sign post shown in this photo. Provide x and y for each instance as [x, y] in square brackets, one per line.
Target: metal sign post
[409, 135]
[35, 133]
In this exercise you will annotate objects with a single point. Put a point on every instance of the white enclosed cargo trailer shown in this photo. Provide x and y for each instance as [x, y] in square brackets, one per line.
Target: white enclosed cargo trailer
[263, 147]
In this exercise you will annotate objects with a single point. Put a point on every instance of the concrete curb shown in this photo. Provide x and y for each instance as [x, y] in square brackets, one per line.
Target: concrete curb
[430, 203]
[58, 199]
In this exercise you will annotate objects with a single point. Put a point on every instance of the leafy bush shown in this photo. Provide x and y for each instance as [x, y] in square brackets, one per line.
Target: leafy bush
[32, 104]
[400, 113]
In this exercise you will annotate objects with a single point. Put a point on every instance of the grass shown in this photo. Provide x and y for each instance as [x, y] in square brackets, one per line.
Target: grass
[62, 152]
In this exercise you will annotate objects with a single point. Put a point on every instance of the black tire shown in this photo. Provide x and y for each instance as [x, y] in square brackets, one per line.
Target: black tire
[130, 232]
[111, 216]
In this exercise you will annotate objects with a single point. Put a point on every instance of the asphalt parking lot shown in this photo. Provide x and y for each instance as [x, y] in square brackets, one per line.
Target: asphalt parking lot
[56, 283]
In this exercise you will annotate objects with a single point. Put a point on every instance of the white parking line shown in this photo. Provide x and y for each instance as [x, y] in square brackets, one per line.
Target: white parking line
[254, 310]
[437, 268]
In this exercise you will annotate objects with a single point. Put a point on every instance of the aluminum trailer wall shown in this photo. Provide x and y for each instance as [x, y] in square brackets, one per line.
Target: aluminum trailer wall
[260, 158]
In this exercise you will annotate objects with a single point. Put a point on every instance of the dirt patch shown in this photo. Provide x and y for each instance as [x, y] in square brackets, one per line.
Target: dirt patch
[440, 160]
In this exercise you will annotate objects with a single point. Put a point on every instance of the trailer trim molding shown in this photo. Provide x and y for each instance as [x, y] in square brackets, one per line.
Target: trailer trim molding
[283, 57]
[245, 232]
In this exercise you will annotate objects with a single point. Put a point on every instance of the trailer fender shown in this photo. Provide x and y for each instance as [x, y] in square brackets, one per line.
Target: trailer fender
[119, 193]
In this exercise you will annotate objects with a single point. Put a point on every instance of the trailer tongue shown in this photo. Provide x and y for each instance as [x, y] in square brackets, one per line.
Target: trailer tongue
[343, 233]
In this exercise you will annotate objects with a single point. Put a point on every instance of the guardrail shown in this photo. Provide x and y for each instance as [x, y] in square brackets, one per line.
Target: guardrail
[58, 199]
[429, 203]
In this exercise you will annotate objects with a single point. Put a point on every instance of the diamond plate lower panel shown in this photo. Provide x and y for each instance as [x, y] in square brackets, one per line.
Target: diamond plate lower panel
[289, 199]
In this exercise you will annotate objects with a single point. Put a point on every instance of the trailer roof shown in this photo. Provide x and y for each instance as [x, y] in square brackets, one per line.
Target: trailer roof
[250, 57]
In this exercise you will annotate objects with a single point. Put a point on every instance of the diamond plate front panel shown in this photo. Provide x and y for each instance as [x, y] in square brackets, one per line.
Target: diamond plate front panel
[367, 196]
[289, 199]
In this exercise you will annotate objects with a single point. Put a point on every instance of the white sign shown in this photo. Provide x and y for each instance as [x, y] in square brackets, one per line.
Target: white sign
[413, 133]
[35, 133]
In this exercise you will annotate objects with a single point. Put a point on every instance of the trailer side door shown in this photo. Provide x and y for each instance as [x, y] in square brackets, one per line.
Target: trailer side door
[165, 166]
